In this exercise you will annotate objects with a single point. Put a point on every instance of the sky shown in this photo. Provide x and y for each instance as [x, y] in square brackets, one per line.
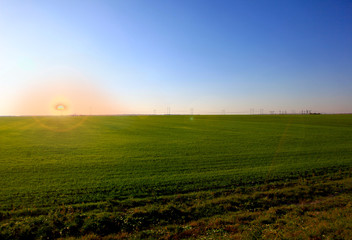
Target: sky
[189, 56]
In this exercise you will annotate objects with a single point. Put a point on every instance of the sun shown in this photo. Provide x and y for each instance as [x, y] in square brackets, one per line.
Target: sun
[60, 107]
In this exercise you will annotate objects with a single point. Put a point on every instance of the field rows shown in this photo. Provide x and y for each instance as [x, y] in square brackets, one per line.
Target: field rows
[95, 158]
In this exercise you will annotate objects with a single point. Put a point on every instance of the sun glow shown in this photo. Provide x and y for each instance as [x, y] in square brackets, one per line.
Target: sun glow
[61, 94]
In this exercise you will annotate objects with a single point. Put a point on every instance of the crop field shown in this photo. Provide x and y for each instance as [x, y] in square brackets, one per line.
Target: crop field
[175, 177]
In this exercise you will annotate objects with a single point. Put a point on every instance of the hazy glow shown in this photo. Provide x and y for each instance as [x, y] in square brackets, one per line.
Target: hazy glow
[65, 95]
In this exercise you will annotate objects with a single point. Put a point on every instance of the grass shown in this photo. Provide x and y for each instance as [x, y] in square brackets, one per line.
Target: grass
[95, 174]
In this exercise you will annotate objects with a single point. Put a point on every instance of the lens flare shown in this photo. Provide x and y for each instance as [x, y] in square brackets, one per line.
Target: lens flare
[65, 124]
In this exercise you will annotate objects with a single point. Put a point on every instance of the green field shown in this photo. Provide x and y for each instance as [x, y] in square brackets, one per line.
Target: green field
[49, 163]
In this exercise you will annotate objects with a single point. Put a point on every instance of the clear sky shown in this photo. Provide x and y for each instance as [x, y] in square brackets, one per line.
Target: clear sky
[128, 57]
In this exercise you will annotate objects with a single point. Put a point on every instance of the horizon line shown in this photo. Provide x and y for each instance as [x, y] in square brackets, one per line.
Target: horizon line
[176, 114]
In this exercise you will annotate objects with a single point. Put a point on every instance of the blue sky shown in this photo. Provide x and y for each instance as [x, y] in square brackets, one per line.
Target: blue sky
[144, 56]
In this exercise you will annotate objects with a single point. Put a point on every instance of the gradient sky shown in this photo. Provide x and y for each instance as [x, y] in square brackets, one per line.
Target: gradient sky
[128, 57]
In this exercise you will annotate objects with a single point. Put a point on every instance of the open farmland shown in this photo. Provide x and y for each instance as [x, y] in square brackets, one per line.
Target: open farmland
[92, 165]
